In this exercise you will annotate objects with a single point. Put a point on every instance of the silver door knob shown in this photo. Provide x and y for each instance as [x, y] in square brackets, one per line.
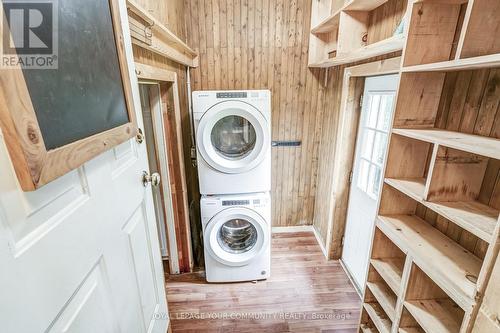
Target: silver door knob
[154, 179]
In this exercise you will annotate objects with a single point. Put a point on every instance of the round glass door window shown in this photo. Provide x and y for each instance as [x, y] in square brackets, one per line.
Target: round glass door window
[237, 236]
[233, 137]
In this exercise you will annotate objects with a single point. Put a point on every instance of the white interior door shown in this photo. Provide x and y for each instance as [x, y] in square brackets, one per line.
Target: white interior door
[81, 254]
[371, 147]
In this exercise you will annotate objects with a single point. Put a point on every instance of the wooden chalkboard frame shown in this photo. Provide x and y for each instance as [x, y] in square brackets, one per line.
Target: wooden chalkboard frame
[36, 166]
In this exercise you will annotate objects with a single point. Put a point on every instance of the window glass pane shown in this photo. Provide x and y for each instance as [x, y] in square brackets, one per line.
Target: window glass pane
[233, 137]
[367, 148]
[379, 148]
[373, 114]
[237, 236]
[364, 168]
[374, 180]
[384, 118]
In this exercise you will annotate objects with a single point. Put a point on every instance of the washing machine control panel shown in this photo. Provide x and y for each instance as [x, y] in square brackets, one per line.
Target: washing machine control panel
[232, 94]
[235, 202]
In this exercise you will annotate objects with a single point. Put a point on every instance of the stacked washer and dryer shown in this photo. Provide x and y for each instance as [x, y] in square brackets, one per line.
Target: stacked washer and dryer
[233, 141]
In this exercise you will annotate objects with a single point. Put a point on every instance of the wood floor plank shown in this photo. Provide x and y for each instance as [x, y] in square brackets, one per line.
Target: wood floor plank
[305, 293]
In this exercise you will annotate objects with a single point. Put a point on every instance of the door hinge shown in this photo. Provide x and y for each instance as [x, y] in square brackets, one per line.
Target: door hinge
[361, 101]
[342, 240]
[350, 177]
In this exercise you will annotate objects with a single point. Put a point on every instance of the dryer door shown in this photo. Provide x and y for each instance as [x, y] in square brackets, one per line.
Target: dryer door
[235, 236]
[233, 137]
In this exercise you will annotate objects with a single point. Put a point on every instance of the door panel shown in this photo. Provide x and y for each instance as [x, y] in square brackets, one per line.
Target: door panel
[143, 264]
[90, 304]
[81, 253]
[371, 146]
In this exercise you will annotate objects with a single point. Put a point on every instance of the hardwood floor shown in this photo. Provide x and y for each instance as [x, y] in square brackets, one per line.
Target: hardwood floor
[306, 293]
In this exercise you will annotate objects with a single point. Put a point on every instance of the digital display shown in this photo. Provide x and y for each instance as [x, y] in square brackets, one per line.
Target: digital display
[232, 95]
[235, 202]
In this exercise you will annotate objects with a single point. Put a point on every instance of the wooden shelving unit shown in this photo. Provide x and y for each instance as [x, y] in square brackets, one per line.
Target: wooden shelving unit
[346, 31]
[437, 234]
[435, 315]
[391, 270]
[147, 32]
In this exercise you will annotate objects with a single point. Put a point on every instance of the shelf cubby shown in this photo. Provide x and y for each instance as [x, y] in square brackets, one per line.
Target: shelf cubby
[434, 31]
[408, 163]
[430, 306]
[482, 29]
[408, 324]
[387, 262]
[350, 32]
[378, 291]
[375, 315]
[368, 327]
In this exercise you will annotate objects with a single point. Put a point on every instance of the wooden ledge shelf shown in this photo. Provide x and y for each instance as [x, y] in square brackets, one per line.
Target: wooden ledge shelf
[486, 61]
[436, 316]
[329, 24]
[363, 5]
[390, 270]
[470, 143]
[385, 46]
[366, 329]
[384, 296]
[379, 318]
[412, 187]
[475, 217]
[411, 330]
[451, 266]
[147, 32]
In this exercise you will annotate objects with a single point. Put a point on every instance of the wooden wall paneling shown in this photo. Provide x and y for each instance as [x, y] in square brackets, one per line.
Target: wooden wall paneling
[263, 44]
[336, 148]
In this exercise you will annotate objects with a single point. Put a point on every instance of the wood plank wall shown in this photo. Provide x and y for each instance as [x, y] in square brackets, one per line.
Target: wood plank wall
[263, 44]
[383, 21]
[172, 14]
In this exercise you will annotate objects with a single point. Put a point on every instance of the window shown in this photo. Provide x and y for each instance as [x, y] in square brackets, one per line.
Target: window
[375, 129]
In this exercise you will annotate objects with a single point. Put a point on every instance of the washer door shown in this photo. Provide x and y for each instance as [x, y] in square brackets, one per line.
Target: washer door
[233, 137]
[235, 236]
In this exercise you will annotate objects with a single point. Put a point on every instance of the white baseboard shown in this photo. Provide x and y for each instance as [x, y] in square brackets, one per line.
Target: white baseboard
[349, 275]
[297, 228]
[320, 242]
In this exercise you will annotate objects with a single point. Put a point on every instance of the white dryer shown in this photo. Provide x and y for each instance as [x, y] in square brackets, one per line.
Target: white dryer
[237, 237]
[233, 140]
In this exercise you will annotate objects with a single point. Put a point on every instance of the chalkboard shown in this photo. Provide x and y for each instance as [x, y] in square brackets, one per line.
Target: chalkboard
[84, 95]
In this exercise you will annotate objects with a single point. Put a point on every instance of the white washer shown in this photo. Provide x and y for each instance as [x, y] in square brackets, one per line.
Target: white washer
[237, 237]
[233, 140]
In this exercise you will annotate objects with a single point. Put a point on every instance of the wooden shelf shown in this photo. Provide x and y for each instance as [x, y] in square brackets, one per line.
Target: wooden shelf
[412, 187]
[457, 64]
[329, 24]
[411, 330]
[366, 329]
[390, 270]
[475, 217]
[385, 46]
[378, 317]
[384, 296]
[436, 316]
[160, 39]
[447, 263]
[365, 5]
[481, 145]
